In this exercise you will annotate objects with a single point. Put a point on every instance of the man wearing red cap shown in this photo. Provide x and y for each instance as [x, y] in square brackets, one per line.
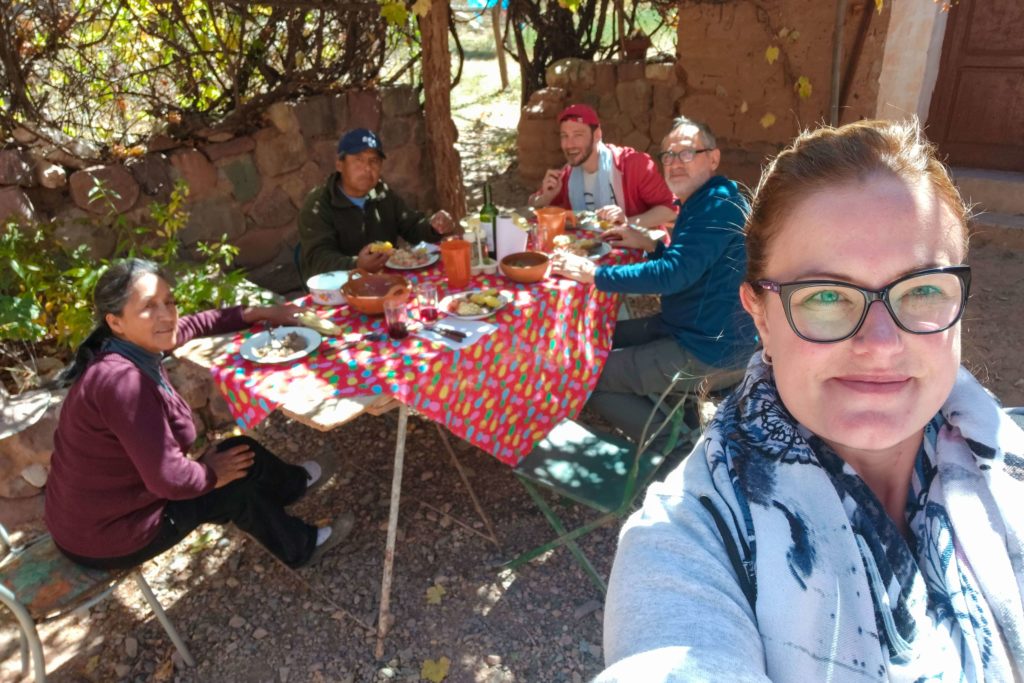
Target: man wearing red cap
[619, 183]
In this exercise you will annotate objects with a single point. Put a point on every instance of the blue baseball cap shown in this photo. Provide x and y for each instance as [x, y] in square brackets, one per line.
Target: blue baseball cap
[358, 140]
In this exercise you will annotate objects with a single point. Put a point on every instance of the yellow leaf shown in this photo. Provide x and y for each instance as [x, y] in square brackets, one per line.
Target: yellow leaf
[164, 672]
[434, 594]
[771, 54]
[744, 107]
[768, 120]
[435, 671]
[421, 7]
[803, 87]
[878, 5]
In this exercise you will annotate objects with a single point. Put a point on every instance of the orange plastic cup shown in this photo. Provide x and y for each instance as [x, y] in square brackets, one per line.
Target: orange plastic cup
[455, 259]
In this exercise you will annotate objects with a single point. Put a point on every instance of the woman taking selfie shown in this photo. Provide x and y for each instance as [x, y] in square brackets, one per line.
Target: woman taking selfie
[121, 488]
[853, 510]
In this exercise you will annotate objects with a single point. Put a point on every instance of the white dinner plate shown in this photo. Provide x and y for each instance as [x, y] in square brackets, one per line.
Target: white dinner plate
[603, 250]
[445, 304]
[432, 258]
[261, 339]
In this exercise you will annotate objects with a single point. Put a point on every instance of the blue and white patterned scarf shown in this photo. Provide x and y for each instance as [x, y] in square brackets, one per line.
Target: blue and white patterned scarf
[840, 595]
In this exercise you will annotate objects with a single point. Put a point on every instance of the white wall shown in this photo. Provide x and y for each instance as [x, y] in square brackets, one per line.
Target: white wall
[910, 62]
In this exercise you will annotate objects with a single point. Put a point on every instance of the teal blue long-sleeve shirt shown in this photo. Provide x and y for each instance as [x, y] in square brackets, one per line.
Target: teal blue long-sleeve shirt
[698, 276]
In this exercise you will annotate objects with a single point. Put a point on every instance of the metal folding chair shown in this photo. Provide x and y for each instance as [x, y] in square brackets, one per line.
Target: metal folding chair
[39, 584]
[599, 470]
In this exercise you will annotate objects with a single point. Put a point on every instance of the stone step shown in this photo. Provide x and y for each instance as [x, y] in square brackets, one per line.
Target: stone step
[1000, 192]
[999, 228]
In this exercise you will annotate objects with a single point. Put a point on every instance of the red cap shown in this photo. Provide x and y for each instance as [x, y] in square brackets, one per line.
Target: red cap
[579, 113]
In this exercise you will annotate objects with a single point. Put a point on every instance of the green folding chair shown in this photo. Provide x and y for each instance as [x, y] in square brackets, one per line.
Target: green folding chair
[39, 584]
[599, 470]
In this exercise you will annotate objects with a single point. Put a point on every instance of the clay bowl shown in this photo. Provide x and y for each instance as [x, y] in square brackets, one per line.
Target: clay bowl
[366, 292]
[526, 267]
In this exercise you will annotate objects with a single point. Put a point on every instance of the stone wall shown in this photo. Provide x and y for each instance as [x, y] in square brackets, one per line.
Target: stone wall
[248, 185]
[721, 76]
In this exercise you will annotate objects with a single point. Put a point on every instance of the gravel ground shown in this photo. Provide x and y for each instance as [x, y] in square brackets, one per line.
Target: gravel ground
[248, 618]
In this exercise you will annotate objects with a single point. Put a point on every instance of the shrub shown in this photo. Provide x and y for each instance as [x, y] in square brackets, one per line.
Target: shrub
[46, 289]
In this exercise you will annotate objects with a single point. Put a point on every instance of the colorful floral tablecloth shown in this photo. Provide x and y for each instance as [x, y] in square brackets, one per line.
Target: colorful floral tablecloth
[503, 394]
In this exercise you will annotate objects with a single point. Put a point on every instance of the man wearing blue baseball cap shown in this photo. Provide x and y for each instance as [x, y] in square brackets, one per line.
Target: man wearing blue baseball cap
[341, 219]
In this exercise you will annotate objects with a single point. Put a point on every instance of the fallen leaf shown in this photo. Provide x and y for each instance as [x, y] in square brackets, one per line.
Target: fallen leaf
[435, 671]
[744, 107]
[803, 87]
[783, 32]
[768, 120]
[794, 36]
[164, 672]
[434, 594]
[878, 5]
[771, 54]
[421, 7]
[92, 664]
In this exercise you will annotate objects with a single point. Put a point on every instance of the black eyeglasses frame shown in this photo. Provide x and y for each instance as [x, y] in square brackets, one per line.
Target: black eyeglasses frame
[785, 290]
[670, 154]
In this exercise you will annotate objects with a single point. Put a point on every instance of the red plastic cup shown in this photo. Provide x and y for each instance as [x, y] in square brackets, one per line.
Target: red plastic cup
[455, 258]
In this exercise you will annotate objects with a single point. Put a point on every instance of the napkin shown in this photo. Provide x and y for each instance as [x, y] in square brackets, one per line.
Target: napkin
[475, 330]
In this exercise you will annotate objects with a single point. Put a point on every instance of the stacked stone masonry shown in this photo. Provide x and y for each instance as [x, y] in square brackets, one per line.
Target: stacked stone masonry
[247, 185]
[720, 74]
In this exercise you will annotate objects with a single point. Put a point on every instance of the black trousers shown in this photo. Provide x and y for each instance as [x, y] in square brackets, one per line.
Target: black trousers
[255, 503]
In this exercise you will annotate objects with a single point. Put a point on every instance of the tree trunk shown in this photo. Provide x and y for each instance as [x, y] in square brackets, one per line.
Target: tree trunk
[441, 133]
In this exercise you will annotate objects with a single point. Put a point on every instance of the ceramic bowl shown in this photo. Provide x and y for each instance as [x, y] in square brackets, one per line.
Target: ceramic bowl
[526, 267]
[325, 288]
[366, 292]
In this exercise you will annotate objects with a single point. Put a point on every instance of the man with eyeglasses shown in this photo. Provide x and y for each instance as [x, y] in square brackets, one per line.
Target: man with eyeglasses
[619, 184]
[341, 219]
[701, 333]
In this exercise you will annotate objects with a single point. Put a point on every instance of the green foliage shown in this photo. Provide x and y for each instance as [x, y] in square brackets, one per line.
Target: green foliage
[115, 71]
[46, 289]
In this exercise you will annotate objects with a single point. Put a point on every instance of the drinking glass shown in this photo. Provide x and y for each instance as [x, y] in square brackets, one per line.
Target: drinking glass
[455, 258]
[396, 314]
[427, 295]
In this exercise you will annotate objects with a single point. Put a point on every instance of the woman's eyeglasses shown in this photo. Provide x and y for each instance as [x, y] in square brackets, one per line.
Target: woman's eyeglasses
[684, 155]
[825, 311]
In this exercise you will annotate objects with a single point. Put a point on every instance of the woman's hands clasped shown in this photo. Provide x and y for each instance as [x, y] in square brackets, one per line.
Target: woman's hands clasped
[229, 464]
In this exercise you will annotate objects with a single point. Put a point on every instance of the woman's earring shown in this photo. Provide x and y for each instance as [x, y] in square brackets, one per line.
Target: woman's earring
[765, 358]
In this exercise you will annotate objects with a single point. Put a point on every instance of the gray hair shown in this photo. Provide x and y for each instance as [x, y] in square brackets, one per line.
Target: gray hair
[112, 292]
[706, 136]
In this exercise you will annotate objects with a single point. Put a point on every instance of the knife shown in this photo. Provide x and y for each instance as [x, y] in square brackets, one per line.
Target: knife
[454, 335]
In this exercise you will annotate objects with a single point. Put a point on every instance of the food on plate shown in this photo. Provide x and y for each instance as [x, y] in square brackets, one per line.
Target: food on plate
[409, 258]
[314, 322]
[381, 247]
[276, 347]
[584, 247]
[483, 302]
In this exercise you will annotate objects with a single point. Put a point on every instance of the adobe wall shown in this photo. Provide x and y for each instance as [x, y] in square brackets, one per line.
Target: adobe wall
[248, 185]
[720, 76]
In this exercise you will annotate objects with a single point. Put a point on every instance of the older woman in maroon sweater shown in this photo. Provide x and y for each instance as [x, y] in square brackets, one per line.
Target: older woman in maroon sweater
[121, 488]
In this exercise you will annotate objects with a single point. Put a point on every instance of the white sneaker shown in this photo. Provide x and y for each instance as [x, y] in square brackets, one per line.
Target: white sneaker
[313, 472]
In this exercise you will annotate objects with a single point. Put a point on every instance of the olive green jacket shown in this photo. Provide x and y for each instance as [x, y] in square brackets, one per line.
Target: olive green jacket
[332, 229]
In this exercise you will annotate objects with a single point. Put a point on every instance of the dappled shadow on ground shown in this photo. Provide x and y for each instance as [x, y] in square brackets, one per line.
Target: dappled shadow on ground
[246, 617]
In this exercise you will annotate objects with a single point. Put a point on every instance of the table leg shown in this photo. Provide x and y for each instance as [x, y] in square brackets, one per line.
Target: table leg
[384, 617]
[490, 535]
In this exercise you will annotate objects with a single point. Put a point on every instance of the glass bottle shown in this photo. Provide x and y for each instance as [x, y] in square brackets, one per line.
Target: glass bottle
[488, 220]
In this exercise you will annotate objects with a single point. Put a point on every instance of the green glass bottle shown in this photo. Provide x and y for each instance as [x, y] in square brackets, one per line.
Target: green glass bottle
[489, 220]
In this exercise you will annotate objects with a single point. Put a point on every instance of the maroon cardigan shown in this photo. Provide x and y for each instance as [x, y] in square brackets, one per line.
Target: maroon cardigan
[120, 452]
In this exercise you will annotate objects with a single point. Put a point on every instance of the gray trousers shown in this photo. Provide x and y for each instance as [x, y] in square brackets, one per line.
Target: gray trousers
[642, 364]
